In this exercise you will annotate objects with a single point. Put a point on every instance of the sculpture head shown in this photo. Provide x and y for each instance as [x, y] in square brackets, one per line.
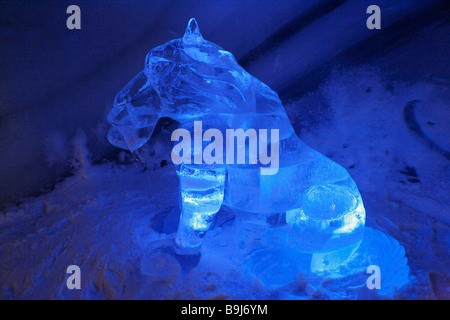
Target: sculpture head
[187, 79]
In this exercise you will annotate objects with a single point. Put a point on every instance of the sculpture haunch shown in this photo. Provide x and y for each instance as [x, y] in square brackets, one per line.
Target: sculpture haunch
[191, 79]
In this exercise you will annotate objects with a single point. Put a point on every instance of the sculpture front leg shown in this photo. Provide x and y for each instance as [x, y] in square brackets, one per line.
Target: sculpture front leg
[201, 192]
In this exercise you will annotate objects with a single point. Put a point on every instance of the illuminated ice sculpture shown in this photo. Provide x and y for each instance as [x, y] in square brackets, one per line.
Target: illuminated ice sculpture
[314, 200]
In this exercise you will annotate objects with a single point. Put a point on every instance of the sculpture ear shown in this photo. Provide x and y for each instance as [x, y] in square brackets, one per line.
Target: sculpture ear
[192, 34]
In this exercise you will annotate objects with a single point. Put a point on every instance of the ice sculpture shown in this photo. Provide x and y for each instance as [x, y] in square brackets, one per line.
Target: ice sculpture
[312, 197]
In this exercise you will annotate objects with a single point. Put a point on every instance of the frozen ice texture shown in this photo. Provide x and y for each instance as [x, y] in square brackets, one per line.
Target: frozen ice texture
[191, 79]
[202, 192]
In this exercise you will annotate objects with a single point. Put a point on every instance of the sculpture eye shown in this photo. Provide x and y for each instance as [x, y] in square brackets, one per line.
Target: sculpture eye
[163, 66]
[160, 65]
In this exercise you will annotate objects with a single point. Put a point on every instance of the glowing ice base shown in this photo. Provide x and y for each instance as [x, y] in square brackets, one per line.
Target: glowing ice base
[312, 198]
[280, 266]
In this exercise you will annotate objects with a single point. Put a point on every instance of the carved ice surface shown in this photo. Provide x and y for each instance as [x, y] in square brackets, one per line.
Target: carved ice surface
[191, 79]
[202, 193]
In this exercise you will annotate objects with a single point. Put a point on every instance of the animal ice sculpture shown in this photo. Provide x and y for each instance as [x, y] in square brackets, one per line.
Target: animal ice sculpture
[192, 79]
